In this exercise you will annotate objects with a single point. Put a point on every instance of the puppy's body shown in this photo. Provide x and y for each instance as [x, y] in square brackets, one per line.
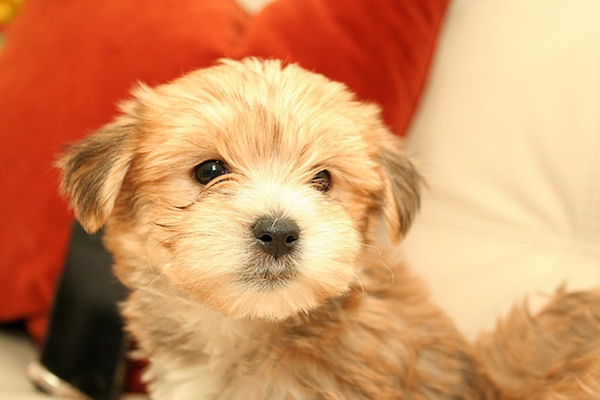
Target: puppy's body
[239, 204]
[361, 345]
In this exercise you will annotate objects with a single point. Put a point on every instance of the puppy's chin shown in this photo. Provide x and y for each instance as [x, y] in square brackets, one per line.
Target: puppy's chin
[267, 289]
[272, 296]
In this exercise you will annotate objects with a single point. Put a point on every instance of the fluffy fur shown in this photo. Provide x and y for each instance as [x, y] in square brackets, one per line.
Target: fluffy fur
[552, 355]
[219, 317]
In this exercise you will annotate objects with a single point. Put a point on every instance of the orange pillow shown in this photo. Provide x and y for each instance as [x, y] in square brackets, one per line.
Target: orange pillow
[64, 66]
[67, 63]
[381, 49]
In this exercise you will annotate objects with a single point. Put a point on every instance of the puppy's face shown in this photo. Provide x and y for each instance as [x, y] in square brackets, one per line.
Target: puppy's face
[248, 185]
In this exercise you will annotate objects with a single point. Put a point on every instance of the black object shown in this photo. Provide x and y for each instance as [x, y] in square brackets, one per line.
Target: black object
[83, 352]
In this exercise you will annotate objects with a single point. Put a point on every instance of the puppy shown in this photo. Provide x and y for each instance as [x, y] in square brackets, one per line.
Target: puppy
[239, 203]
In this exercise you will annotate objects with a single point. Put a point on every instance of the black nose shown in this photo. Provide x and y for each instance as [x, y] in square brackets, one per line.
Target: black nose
[276, 236]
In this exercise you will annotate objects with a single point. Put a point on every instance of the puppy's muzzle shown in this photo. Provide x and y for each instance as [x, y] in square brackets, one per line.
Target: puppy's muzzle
[276, 237]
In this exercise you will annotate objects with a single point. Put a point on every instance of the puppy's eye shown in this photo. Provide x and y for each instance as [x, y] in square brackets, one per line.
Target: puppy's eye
[209, 170]
[322, 181]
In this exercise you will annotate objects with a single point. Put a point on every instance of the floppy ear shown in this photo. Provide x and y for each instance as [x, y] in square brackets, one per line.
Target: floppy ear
[94, 169]
[403, 184]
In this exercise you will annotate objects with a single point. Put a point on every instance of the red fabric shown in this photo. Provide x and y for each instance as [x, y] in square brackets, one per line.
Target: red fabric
[381, 49]
[65, 65]
[67, 62]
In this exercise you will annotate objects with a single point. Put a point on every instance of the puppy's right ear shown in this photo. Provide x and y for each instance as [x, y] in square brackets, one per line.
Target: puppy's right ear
[403, 183]
[94, 169]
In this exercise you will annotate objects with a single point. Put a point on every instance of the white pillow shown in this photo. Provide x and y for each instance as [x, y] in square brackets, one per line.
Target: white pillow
[508, 136]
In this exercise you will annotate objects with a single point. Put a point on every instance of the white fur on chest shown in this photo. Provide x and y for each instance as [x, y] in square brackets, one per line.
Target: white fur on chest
[228, 359]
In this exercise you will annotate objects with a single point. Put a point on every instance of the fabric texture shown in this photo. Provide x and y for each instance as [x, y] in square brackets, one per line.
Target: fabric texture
[508, 136]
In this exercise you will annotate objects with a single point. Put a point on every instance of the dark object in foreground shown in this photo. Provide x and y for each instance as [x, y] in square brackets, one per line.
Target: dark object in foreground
[83, 351]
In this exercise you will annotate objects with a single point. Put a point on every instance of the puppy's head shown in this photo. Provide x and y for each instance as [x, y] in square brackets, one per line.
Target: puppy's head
[249, 185]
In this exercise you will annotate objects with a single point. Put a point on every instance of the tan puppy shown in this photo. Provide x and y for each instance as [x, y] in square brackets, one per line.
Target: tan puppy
[239, 204]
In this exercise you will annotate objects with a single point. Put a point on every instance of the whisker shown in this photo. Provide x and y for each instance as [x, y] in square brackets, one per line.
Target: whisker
[157, 278]
[169, 295]
[385, 262]
[149, 264]
[361, 285]
[372, 249]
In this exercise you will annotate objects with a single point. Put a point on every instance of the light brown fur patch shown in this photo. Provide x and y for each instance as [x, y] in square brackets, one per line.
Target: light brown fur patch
[554, 354]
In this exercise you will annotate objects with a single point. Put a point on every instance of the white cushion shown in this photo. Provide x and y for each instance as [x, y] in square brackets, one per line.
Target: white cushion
[508, 136]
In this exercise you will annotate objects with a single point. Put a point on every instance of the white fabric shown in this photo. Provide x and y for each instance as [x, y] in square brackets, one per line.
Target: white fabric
[508, 135]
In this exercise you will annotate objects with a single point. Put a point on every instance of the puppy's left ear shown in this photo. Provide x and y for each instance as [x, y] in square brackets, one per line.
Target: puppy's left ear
[94, 169]
[403, 185]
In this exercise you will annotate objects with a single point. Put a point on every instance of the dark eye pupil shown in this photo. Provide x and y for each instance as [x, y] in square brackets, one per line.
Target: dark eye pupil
[209, 170]
[322, 181]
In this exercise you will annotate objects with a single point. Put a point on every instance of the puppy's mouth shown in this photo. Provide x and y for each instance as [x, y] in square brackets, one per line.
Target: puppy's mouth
[268, 273]
[274, 263]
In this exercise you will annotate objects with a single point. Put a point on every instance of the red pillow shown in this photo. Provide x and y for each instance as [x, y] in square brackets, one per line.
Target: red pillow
[66, 63]
[64, 66]
[381, 49]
